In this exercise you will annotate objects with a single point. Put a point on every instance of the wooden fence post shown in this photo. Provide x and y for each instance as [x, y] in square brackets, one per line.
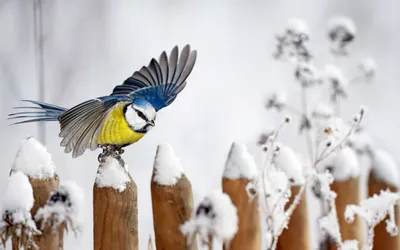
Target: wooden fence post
[172, 201]
[345, 169]
[34, 161]
[115, 210]
[384, 175]
[298, 226]
[240, 170]
[348, 192]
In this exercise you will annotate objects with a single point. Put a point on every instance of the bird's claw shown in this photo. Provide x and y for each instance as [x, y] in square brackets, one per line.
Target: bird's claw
[112, 151]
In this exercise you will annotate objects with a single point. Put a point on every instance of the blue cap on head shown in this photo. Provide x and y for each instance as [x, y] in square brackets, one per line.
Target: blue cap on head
[141, 102]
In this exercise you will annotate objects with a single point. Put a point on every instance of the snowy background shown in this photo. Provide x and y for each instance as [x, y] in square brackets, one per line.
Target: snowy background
[93, 45]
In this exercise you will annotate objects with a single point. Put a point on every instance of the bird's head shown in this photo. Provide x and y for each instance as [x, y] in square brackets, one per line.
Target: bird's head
[140, 115]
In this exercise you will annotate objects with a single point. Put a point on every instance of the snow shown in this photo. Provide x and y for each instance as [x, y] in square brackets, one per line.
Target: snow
[330, 226]
[330, 133]
[298, 27]
[335, 76]
[368, 66]
[65, 205]
[361, 142]
[112, 174]
[322, 110]
[341, 22]
[287, 161]
[307, 74]
[343, 164]
[19, 193]
[167, 167]
[33, 159]
[385, 167]
[350, 245]
[215, 215]
[374, 209]
[277, 100]
[239, 164]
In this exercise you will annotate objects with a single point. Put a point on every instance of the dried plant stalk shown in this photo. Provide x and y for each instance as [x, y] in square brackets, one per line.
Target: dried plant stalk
[348, 192]
[172, 206]
[248, 235]
[382, 239]
[115, 217]
[298, 226]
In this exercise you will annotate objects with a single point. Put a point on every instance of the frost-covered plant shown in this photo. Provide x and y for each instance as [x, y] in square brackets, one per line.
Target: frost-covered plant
[16, 220]
[373, 211]
[216, 216]
[325, 132]
[64, 207]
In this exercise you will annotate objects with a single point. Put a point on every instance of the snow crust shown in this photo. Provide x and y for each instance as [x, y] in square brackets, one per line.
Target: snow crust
[386, 168]
[240, 164]
[33, 159]
[215, 215]
[343, 164]
[287, 161]
[112, 174]
[167, 166]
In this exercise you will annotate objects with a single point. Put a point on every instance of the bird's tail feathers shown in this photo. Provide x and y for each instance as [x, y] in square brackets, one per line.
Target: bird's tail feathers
[41, 112]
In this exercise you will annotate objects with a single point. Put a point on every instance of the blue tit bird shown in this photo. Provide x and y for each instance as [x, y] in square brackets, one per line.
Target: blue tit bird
[125, 116]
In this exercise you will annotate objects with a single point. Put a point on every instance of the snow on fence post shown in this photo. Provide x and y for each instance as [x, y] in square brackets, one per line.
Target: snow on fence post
[115, 210]
[344, 167]
[215, 218]
[384, 175]
[172, 200]
[240, 170]
[298, 227]
[35, 162]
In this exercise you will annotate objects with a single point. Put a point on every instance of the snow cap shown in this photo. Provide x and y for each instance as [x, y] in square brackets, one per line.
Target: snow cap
[19, 193]
[33, 160]
[167, 167]
[112, 174]
[343, 164]
[298, 26]
[215, 215]
[287, 161]
[239, 164]
[385, 168]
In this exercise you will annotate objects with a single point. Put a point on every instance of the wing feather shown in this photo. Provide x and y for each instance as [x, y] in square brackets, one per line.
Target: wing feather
[161, 81]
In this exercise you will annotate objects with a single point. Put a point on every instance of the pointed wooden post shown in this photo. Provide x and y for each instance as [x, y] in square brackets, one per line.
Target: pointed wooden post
[34, 161]
[298, 226]
[172, 201]
[384, 175]
[348, 192]
[240, 170]
[345, 168]
[115, 210]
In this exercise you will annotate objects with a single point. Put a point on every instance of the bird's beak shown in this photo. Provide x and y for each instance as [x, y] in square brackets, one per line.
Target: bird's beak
[152, 123]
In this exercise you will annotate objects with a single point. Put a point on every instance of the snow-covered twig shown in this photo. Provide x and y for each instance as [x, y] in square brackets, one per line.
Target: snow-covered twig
[16, 218]
[216, 217]
[374, 210]
[63, 208]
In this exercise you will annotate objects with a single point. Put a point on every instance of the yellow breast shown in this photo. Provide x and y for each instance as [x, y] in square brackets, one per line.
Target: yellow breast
[116, 130]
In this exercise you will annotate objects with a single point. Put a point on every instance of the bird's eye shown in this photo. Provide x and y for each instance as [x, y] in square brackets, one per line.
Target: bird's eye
[141, 115]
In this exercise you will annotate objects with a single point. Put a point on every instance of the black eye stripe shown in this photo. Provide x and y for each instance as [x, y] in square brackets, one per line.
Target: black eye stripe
[141, 115]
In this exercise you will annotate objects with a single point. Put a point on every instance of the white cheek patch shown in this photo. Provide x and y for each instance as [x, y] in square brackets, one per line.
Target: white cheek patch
[133, 119]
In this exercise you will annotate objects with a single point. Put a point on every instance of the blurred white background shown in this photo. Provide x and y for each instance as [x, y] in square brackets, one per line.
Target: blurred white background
[92, 45]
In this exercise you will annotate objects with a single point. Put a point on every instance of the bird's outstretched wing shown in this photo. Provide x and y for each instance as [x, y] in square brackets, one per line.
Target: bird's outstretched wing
[81, 125]
[161, 81]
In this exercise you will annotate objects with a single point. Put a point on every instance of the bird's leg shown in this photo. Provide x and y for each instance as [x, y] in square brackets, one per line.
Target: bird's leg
[113, 151]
